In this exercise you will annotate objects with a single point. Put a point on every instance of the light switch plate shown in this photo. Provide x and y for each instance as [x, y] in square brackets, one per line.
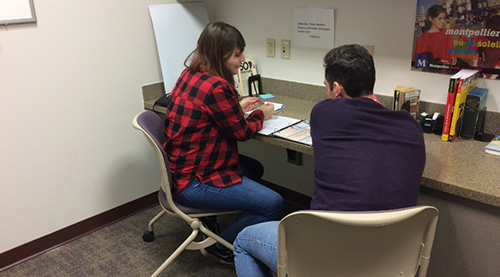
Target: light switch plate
[285, 49]
[270, 47]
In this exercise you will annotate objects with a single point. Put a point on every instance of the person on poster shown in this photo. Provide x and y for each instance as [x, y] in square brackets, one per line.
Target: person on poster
[433, 45]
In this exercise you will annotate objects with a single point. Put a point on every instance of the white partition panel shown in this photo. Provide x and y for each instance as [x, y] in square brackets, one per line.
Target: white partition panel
[177, 28]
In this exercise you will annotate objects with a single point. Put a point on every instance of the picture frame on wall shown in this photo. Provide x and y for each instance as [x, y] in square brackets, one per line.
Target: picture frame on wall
[17, 11]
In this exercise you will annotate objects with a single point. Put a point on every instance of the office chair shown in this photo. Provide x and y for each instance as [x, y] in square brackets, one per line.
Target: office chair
[381, 243]
[152, 126]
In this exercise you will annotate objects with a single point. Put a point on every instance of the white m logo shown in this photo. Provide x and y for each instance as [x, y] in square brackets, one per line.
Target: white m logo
[421, 63]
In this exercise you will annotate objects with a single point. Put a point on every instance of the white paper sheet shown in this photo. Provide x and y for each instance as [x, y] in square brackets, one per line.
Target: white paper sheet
[313, 28]
[276, 123]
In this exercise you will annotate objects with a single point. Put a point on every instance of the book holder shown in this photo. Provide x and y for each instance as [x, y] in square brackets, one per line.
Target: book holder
[251, 84]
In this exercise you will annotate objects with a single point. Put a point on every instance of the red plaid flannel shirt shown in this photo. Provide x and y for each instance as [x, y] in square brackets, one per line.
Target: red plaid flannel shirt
[203, 125]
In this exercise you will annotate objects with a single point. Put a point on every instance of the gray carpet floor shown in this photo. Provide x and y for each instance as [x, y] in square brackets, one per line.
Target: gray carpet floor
[118, 250]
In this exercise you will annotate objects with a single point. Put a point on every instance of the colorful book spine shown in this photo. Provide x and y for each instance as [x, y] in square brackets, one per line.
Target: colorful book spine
[395, 104]
[450, 102]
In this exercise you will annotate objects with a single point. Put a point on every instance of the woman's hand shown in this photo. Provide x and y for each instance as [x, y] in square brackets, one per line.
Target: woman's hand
[268, 110]
[248, 103]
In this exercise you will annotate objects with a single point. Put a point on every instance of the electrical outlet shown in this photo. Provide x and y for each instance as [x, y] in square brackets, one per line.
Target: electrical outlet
[285, 49]
[270, 47]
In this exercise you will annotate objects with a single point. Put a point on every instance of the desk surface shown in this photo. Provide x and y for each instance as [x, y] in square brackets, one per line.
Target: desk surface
[459, 168]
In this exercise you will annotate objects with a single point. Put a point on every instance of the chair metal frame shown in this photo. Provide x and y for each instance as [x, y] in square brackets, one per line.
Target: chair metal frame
[378, 243]
[151, 125]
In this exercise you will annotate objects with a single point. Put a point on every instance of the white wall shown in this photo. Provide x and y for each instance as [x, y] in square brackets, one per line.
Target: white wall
[70, 85]
[460, 247]
[385, 24]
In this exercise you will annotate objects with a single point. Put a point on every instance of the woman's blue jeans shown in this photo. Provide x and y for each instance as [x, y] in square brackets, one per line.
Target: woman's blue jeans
[256, 250]
[258, 203]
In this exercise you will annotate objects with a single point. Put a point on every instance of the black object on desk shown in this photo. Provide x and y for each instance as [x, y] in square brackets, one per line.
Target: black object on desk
[431, 123]
[163, 101]
[251, 84]
[484, 137]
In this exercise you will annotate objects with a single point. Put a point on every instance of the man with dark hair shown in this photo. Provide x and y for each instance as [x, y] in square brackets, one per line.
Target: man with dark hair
[352, 66]
[366, 157]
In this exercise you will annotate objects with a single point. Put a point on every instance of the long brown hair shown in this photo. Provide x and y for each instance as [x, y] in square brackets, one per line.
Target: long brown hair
[216, 44]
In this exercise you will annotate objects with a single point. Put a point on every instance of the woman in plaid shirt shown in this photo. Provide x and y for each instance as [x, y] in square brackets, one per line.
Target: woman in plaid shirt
[204, 122]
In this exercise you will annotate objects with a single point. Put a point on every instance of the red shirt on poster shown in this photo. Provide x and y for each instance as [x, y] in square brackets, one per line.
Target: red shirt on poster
[437, 44]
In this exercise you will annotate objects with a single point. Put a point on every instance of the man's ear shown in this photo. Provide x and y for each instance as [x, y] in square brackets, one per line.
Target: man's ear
[338, 90]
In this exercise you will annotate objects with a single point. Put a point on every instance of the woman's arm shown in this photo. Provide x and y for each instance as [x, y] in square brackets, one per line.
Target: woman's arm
[224, 108]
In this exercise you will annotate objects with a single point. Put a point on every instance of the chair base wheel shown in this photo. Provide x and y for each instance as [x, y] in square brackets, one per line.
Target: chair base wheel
[148, 236]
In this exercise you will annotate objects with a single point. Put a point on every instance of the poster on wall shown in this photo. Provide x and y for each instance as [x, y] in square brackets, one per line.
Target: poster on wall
[451, 35]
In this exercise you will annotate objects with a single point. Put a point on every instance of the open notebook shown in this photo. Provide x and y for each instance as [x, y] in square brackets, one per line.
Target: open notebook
[277, 123]
[300, 132]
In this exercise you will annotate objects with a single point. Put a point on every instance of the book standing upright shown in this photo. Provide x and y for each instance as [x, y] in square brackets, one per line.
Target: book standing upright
[450, 102]
[406, 98]
[468, 81]
[474, 113]
[247, 69]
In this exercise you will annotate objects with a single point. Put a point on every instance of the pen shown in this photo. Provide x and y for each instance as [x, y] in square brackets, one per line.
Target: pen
[258, 100]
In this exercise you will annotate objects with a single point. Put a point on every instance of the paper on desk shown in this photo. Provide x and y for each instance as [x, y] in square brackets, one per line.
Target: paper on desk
[277, 107]
[276, 123]
[300, 132]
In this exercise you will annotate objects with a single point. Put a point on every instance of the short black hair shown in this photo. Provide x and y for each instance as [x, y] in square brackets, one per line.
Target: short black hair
[351, 66]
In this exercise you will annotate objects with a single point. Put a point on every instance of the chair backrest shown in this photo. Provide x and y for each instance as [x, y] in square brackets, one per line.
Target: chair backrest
[151, 125]
[381, 243]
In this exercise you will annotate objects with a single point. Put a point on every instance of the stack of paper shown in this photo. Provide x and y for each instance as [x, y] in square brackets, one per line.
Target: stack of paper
[493, 147]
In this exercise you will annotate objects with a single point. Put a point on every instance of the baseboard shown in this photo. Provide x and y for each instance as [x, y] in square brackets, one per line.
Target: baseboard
[77, 230]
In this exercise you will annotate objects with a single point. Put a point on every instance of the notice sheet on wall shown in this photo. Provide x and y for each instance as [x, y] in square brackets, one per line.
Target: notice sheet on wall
[313, 28]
